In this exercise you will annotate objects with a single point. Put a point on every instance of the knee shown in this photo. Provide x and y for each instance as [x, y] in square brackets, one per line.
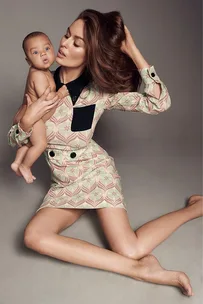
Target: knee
[136, 251]
[34, 240]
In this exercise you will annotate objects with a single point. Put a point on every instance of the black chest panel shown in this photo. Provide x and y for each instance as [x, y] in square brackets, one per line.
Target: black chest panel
[82, 116]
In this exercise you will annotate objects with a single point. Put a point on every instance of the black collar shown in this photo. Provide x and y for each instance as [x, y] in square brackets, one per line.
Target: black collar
[75, 86]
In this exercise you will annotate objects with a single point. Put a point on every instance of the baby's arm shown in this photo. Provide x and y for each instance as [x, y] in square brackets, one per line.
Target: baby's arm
[39, 82]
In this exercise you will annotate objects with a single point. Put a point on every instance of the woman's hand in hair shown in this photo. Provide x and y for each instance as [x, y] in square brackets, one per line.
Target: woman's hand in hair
[128, 45]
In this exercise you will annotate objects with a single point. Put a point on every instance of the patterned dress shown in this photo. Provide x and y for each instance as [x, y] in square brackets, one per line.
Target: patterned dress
[83, 175]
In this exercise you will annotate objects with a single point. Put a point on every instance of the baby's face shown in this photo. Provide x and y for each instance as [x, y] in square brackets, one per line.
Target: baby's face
[40, 52]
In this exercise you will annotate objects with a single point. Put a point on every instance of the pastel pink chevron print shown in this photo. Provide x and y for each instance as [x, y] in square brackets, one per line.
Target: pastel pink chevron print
[90, 179]
[83, 174]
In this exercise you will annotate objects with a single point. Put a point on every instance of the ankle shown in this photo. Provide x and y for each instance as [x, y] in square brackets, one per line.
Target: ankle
[16, 163]
[24, 166]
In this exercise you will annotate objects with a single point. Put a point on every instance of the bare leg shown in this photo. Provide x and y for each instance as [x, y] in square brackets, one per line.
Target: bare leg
[42, 235]
[124, 240]
[155, 232]
[39, 143]
[20, 154]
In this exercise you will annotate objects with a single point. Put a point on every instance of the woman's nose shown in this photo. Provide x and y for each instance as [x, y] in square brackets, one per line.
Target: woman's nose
[65, 42]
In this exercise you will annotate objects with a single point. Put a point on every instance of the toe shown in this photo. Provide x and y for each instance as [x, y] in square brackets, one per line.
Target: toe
[193, 199]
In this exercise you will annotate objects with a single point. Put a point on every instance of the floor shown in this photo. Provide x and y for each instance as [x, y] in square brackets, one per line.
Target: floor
[155, 181]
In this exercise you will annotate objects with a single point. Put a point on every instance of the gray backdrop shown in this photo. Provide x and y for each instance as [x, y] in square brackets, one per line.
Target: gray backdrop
[158, 157]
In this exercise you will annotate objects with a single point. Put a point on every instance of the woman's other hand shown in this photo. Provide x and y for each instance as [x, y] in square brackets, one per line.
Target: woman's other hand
[36, 110]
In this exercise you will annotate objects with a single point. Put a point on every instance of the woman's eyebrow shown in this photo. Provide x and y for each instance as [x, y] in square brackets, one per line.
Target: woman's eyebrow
[68, 30]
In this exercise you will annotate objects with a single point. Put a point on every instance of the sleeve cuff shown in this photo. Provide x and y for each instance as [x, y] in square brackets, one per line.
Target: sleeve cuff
[149, 75]
[22, 137]
[21, 132]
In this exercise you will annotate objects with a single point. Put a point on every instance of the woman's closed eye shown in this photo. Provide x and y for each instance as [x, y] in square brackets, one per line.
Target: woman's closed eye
[68, 36]
[76, 45]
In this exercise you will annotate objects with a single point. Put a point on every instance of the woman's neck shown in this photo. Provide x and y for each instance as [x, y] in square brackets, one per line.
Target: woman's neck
[70, 74]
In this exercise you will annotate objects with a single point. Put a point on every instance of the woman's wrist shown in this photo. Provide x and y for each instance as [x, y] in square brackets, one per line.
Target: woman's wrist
[138, 59]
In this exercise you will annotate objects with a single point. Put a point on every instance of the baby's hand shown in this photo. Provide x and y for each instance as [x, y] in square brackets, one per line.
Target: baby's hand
[62, 92]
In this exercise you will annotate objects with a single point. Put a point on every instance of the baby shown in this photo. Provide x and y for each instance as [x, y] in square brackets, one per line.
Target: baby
[40, 56]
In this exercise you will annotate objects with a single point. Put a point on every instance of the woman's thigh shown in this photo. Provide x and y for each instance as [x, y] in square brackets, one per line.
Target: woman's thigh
[53, 220]
[119, 234]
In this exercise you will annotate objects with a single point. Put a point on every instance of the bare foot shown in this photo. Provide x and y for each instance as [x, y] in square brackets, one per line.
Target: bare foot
[150, 270]
[27, 174]
[195, 203]
[15, 168]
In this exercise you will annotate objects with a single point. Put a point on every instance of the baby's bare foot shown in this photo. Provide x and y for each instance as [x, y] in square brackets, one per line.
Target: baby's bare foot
[26, 173]
[195, 203]
[15, 168]
[150, 270]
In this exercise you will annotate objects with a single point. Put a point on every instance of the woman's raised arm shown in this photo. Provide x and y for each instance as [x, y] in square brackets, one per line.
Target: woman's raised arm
[155, 98]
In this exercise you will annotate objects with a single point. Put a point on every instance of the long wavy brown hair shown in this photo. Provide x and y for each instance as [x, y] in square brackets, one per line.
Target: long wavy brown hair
[111, 70]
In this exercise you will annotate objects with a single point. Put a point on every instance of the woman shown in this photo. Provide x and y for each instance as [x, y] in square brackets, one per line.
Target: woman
[98, 76]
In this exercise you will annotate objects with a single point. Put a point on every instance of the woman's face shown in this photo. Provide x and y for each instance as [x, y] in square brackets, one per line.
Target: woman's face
[72, 51]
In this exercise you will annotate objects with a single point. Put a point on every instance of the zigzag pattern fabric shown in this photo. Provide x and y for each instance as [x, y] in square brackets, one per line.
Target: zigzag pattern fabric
[83, 174]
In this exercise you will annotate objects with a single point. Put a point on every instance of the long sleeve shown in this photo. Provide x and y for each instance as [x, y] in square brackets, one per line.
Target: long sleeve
[16, 136]
[145, 102]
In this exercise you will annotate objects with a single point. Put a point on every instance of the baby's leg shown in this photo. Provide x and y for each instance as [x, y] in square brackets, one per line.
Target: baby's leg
[39, 143]
[20, 154]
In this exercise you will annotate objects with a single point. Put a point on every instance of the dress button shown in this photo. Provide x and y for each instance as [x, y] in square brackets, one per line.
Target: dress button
[152, 74]
[73, 155]
[51, 153]
[17, 131]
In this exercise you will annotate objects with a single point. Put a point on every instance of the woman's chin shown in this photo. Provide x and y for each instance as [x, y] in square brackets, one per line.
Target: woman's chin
[58, 60]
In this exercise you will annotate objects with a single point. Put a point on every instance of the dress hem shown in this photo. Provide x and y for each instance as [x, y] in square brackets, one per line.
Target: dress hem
[84, 207]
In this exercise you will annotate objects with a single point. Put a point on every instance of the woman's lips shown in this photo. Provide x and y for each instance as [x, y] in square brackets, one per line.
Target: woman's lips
[60, 54]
